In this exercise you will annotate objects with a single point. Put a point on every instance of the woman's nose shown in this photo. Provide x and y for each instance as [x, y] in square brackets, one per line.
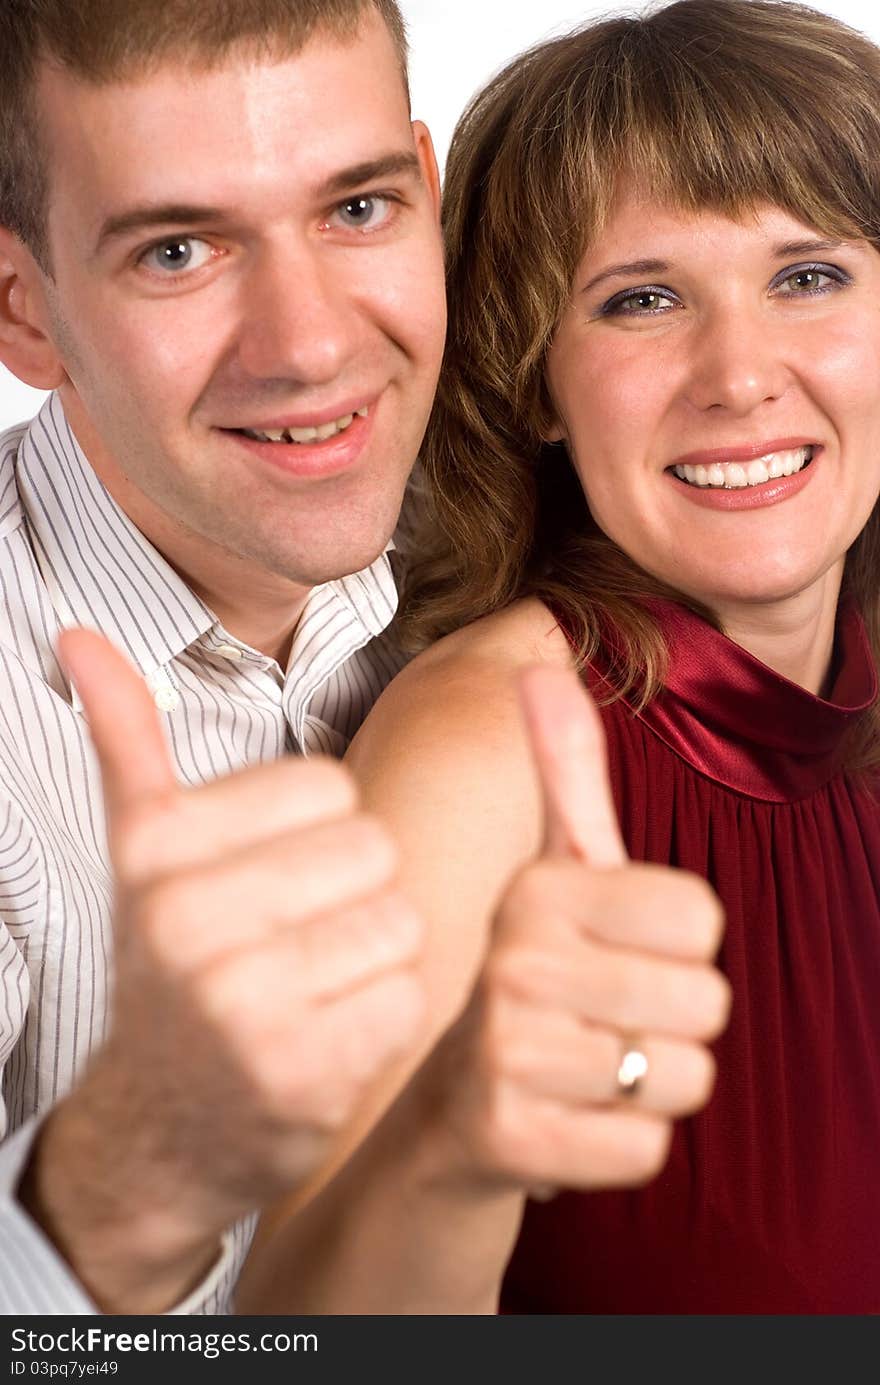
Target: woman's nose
[739, 363]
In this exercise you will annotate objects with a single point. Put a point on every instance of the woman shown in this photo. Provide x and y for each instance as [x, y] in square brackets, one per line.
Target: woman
[656, 454]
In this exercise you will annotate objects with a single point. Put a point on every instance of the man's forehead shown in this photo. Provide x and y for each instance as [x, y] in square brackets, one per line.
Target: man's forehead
[190, 133]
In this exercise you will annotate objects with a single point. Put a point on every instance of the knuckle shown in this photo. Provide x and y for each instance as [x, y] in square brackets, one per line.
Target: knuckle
[371, 844]
[719, 1004]
[698, 1079]
[706, 1076]
[387, 1018]
[622, 979]
[504, 1139]
[395, 928]
[295, 1087]
[501, 1043]
[163, 909]
[331, 786]
[514, 971]
[646, 1148]
[703, 914]
[401, 1013]
[533, 894]
[139, 834]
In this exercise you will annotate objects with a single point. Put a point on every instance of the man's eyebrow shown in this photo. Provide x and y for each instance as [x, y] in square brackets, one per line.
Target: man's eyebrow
[141, 218]
[358, 175]
[154, 214]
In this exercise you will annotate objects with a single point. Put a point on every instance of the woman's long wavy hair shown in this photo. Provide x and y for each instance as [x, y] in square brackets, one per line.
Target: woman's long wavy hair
[720, 104]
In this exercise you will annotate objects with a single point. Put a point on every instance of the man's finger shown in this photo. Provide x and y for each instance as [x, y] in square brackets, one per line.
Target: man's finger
[568, 746]
[124, 724]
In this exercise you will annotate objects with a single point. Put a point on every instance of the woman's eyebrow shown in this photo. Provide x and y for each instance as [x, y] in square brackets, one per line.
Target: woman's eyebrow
[806, 247]
[630, 267]
[781, 251]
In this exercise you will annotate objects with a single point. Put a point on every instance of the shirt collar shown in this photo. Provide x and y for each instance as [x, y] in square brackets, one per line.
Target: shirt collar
[101, 572]
[99, 569]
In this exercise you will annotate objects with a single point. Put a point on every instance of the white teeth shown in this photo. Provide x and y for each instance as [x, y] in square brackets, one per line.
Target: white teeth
[736, 475]
[756, 472]
[302, 435]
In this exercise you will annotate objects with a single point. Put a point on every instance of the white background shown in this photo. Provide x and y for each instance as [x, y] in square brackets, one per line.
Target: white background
[456, 46]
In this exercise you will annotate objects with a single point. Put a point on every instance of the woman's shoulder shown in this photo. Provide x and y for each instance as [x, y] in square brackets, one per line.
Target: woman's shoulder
[449, 728]
[490, 650]
[466, 683]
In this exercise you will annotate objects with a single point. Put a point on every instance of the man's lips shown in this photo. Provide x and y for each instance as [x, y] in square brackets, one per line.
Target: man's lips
[302, 419]
[314, 457]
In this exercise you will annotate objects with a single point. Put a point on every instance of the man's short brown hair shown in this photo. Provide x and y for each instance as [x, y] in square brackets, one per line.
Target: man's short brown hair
[102, 41]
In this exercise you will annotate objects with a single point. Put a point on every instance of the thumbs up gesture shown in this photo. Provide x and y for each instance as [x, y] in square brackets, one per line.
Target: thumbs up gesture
[265, 972]
[587, 1033]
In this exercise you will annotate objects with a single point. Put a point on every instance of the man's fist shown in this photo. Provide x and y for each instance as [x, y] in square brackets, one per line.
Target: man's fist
[265, 973]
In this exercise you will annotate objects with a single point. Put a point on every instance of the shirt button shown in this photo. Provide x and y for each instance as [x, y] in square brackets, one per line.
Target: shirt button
[166, 699]
[229, 651]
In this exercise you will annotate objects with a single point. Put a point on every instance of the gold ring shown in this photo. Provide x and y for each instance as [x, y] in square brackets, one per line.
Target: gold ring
[631, 1070]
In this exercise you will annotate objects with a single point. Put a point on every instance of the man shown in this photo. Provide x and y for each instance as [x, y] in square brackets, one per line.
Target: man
[221, 252]
[205, 256]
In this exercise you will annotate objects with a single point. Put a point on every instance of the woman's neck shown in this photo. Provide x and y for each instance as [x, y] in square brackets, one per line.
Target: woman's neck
[795, 637]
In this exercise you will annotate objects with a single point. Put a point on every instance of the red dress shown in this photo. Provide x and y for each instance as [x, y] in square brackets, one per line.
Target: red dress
[770, 1201]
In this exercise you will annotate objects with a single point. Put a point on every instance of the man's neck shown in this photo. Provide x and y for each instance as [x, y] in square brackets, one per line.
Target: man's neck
[265, 621]
[259, 607]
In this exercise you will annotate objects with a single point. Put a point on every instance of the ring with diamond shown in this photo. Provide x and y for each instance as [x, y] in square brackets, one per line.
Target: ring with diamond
[631, 1070]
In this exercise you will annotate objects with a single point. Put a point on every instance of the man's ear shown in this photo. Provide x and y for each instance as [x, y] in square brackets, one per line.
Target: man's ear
[25, 345]
[427, 161]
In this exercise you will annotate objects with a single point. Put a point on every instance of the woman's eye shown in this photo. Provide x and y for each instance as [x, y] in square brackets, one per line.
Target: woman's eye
[177, 254]
[639, 302]
[363, 213]
[810, 279]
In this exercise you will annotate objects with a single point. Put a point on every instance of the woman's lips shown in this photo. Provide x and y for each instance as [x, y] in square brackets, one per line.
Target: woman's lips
[742, 494]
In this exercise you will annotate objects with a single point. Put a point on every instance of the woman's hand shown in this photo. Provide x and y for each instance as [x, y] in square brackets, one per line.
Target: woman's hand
[592, 958]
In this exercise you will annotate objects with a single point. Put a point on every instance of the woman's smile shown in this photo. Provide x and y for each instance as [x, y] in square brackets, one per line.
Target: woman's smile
[722, 414]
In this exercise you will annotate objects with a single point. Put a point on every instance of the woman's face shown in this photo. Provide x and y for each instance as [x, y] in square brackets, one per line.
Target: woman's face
[717, 384]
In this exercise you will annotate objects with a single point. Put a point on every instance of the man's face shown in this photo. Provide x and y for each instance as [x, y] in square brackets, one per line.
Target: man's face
[241, 251]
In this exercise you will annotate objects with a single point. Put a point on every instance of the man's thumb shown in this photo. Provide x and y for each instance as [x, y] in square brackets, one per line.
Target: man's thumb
[568, 747]
[124, 725]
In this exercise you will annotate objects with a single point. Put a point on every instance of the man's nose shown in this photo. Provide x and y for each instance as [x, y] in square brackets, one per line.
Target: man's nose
[299, 322]
[739, 362]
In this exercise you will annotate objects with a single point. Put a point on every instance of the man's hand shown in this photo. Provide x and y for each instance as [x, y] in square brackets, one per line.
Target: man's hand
[264, 975]
[591, 956]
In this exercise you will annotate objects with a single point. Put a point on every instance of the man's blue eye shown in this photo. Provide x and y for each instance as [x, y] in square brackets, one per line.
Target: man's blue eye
[176, 254]
[359, 208]
[362, 212]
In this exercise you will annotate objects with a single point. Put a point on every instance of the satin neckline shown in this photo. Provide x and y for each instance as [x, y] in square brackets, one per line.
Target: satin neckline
[745, 726]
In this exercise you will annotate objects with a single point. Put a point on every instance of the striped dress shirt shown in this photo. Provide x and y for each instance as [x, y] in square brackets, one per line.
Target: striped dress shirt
[70, 556]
